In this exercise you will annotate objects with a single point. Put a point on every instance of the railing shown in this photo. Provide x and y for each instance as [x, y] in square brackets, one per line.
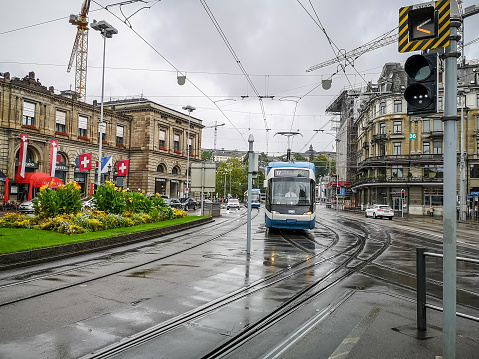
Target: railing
[392, 179]
[421, 287]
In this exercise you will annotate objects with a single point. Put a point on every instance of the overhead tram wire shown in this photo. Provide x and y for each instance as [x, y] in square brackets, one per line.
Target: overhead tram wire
[173, 66]
[238, 62]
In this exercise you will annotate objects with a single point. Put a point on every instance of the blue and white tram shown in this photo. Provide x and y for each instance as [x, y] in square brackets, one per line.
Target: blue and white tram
[255, 198]
[290, 194]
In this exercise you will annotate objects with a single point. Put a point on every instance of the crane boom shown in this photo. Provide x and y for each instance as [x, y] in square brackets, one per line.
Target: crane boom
[216, 132]
[80, 49]
[372, 45]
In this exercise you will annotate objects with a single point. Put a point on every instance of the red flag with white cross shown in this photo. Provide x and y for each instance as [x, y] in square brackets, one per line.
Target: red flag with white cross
[84, 162]
[122, 167]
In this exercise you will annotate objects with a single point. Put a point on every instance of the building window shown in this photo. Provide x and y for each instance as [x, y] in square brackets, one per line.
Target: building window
[160, 168]
[382, 108]
[425, 148]
[437, 123]
[477, 122]
[475, 171]
[83, 126]
[382, 128]
[119, 134]
[434, 171]
[102, 131]
[162, 137]
[174, 171]
[477, 101]
[28, 113]
[176, 143]
[397, 171]
[437, 147]
[439, 104]
[397, 106]
[60, 118]
[426, 126]
[397, 127]
[397, 148]
[477, 146]
[382, 149]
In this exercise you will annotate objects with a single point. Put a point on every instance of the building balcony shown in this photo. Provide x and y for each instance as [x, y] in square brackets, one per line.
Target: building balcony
[381, 137]
[390, 180]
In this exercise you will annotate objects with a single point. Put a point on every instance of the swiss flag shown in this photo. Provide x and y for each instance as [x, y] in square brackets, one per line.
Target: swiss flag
[84, 162]
[122, 167]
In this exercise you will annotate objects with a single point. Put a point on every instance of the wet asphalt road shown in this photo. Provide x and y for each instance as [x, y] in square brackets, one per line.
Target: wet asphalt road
[112, 296]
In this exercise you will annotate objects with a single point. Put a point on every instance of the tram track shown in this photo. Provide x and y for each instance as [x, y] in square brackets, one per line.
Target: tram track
[347, 255]
[180, 237]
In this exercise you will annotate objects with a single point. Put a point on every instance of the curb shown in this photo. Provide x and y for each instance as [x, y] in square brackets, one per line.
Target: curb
[42, 255]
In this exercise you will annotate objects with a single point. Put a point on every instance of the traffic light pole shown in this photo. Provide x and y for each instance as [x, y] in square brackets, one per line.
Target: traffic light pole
[449, 192]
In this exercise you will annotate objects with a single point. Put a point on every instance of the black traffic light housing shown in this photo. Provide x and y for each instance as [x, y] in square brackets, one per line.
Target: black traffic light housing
[421, 91]
[403, 194]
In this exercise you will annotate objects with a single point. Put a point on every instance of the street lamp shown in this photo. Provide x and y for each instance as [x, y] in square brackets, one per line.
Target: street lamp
[189, 109]
[107, 31]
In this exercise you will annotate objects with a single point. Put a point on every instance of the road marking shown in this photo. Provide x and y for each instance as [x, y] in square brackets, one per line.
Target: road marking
[342, 351]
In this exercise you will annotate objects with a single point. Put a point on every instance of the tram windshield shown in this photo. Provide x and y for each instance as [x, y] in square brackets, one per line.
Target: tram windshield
[291, 191]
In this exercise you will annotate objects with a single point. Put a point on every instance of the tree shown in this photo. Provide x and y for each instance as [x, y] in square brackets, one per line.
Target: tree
[299, 157]
[207, 156]
[324, 165]
[236, 172]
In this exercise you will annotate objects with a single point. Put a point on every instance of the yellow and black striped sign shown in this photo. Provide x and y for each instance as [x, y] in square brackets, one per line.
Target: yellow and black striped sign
[424, 26]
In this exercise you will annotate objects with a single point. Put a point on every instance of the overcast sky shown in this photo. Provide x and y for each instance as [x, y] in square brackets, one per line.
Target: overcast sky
[275, 41]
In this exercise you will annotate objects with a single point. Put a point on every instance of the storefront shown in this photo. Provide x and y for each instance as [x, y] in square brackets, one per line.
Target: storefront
[160, 186]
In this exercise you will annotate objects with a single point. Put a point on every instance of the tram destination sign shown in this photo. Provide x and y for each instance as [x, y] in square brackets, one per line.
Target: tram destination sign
[291, 172]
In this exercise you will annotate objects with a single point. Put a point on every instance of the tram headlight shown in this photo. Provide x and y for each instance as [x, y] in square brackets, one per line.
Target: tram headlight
[305, 213]
[274, 212]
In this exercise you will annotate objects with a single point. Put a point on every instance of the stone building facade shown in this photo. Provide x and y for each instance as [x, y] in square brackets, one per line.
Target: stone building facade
[396, 152]
[132, 131]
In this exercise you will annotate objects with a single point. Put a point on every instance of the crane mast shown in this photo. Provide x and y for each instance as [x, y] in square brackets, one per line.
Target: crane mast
[80, 50]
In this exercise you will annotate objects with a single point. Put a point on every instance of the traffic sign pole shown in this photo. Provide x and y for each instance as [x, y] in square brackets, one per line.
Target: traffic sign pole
[449, 216]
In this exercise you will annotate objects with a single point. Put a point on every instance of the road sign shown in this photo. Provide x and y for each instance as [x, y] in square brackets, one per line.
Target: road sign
[424, 26]
[412, 136]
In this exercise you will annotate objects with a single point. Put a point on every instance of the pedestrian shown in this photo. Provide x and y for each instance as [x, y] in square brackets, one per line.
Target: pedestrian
[431, 211]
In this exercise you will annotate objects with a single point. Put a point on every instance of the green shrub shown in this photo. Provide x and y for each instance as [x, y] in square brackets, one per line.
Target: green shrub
[109, 198]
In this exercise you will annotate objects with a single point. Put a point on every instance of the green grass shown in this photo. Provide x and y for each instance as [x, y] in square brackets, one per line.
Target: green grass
[16, 240]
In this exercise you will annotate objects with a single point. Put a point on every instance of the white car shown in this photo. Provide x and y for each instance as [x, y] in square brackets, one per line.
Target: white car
[233, 203]
[379, 211]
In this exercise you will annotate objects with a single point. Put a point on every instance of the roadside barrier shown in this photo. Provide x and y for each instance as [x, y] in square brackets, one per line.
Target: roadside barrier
[421, 287]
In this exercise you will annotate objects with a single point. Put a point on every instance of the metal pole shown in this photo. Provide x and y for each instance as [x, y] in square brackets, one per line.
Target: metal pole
[202, 188]
[449, 190]
[250, 185]
[100, 124]
[462, 185]
[188, 156]
[224, 197]
[421, 289]
[230, 170]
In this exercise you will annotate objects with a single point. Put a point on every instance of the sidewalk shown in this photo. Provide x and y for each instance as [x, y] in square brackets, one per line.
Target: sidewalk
[389, 331]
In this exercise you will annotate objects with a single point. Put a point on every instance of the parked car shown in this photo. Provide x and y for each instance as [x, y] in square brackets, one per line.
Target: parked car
[188, 203]
[173, 203]
[379, 211]
[233, 203]
[26, 207]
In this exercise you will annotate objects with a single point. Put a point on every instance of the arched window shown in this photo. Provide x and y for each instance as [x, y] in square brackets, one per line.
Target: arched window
[175, 170]
[160, 168]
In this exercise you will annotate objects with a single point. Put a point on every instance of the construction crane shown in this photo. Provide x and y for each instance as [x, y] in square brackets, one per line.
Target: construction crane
[80, 50]
[216, 133]
[386, 39]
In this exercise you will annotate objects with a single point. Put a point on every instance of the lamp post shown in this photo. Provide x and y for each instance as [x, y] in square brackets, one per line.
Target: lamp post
[189, 109]
[107, 31]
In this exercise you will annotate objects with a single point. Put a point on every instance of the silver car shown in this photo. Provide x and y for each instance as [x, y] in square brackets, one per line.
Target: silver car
[379, 211]
[26, 207]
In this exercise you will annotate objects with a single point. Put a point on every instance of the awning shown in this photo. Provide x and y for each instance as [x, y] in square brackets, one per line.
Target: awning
[3, 176]
[39, 179]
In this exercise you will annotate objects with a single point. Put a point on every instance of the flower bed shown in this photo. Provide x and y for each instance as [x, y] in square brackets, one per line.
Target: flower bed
[60, 210]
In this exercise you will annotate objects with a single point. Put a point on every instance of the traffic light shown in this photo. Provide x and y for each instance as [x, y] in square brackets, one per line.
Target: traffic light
[421, 91]
[403, 194]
